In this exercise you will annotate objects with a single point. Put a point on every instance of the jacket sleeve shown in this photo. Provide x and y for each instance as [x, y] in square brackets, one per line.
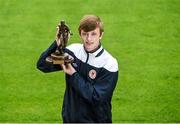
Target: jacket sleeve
[98, 91]
[43, 65]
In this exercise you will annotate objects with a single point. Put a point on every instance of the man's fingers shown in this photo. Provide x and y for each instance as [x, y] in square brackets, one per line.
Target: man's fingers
[68, 65]
[63, 66]
[68, 68]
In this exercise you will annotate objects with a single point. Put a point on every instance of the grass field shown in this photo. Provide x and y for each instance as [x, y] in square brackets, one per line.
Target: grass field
[144, 36]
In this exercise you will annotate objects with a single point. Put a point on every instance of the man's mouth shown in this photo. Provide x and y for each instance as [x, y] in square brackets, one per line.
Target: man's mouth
[89, 43]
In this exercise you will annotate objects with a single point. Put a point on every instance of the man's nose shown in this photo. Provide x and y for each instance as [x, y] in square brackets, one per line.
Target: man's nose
[88, 37]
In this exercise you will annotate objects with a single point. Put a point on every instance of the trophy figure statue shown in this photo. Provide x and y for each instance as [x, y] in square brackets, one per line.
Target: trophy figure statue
[63, 35]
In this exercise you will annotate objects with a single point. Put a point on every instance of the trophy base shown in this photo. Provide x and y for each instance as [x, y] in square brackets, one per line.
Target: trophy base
[55, 59]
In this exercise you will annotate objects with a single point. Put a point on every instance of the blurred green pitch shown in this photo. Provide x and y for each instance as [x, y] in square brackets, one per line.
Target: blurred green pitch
[144, 36]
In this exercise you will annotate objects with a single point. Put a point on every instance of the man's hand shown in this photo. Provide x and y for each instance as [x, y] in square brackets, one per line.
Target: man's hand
[68, 68]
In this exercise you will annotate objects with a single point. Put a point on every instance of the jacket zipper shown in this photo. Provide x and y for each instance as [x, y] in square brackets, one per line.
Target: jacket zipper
[87, 57]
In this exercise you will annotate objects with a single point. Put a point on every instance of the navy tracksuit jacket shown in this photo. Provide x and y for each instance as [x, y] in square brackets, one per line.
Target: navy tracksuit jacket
[88, 91]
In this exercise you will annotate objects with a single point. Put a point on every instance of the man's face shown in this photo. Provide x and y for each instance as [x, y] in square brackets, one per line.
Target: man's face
[91, 39]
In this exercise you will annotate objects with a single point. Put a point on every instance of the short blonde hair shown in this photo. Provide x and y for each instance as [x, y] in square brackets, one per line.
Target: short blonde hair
[89, 23]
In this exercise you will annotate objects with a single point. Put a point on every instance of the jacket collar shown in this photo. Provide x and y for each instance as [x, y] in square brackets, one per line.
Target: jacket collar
[97, 52]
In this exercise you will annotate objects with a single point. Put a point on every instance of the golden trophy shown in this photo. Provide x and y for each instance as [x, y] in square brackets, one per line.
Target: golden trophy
[63, 35]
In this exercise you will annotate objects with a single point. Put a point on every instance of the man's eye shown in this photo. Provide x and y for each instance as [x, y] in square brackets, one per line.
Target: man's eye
[83, 34]
[94, 34]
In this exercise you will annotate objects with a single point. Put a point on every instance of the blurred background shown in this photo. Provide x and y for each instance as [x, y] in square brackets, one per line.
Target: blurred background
[144, 36]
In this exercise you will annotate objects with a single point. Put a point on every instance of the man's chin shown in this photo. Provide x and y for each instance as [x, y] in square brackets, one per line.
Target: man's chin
[88, 49]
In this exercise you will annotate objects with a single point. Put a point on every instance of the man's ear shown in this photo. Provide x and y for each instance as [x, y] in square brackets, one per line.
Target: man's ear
[100, 37]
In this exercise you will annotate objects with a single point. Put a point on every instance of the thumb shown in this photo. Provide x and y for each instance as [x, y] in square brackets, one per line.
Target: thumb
[63, 66]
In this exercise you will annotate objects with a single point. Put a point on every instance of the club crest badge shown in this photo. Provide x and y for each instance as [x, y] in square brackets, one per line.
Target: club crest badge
[92, 74]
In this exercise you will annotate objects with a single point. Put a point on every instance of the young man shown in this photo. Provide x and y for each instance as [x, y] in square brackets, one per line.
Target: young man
[91, 79]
